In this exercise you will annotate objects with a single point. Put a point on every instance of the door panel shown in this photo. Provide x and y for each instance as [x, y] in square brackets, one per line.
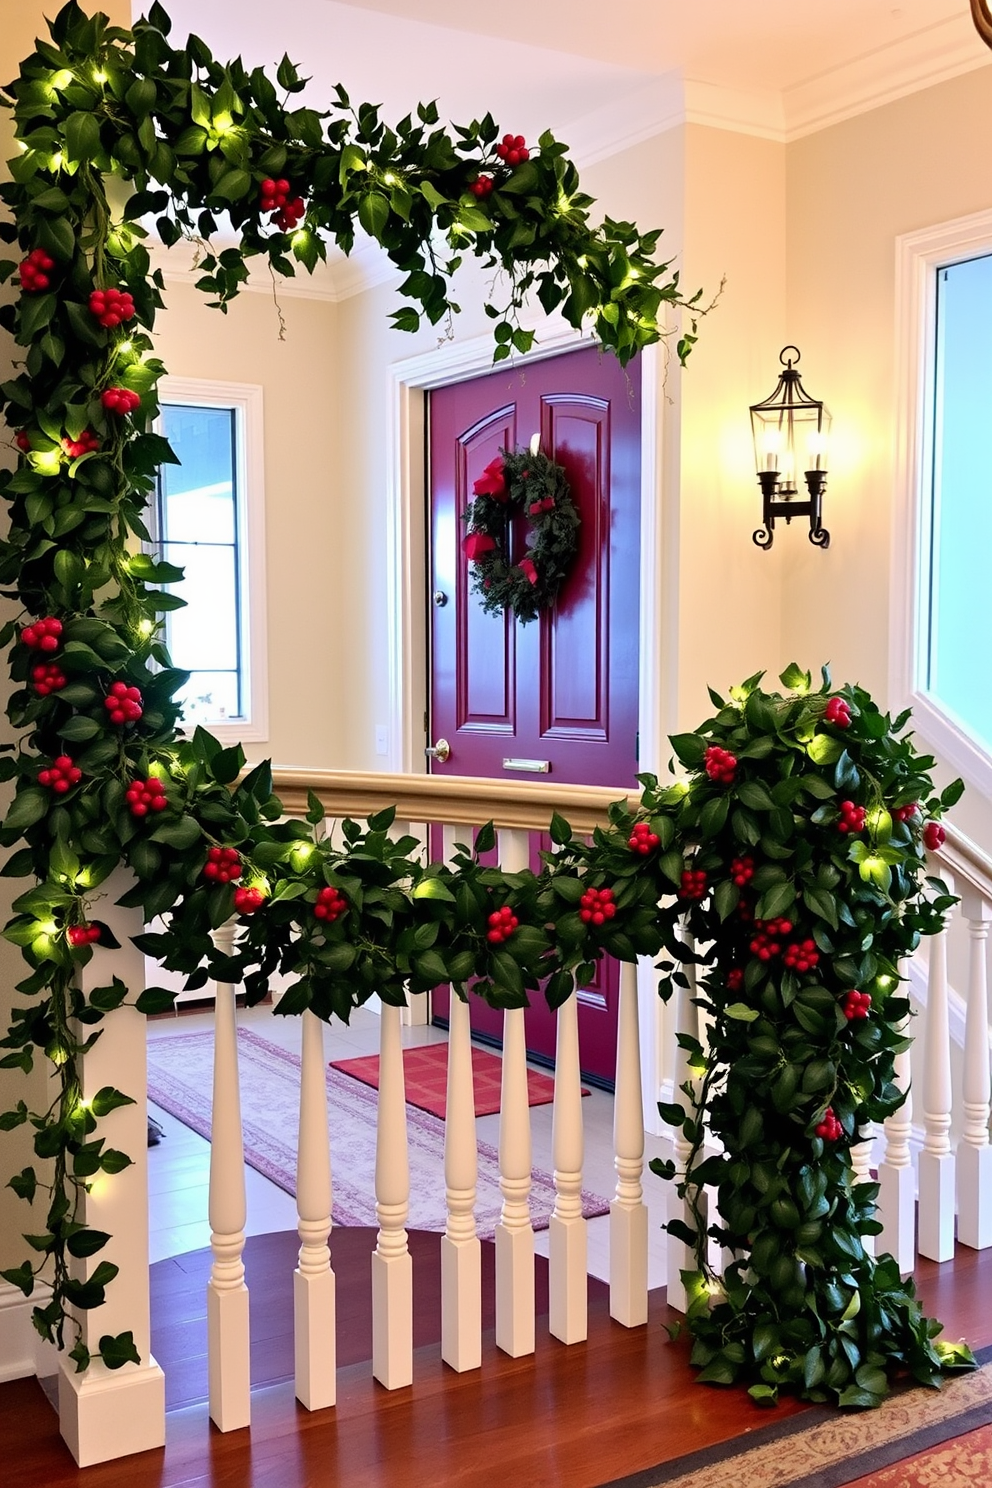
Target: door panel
[562, 689]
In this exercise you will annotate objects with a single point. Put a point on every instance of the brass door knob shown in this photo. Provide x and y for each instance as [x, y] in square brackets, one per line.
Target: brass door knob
[441, 751]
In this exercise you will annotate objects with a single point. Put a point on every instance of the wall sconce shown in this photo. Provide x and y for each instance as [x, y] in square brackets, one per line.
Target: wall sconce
[790, 430]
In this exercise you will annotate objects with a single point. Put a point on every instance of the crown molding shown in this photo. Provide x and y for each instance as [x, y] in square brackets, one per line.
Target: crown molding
[757, 112]
[617, 126]
[922, 60]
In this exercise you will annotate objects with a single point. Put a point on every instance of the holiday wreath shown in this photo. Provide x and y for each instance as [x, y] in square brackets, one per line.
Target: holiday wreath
[527, 482]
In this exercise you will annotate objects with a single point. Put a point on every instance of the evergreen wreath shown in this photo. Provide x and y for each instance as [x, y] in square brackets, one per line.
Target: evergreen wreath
[525, 481]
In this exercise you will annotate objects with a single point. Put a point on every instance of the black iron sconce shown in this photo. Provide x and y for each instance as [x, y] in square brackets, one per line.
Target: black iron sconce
[790, 432]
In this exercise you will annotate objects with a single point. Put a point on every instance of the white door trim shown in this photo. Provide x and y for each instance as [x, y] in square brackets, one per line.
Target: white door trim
[406, 558]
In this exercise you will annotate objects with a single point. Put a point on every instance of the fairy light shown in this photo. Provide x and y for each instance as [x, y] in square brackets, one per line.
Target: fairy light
[300, 238]
[884, 981]
[146, 627]
[47, 462]
[61, 79]
[56, 161]
[99, 76]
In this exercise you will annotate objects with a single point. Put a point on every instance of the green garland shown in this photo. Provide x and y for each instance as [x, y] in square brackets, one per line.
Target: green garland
[102, 779]
[525, 482]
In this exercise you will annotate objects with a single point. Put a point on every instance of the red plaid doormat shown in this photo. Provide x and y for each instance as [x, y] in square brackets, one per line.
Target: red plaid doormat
[426, 1072]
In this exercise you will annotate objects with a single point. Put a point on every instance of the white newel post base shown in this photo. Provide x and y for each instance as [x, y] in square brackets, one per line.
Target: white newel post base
[392, 1319]
[461, 1288]
[106, 1413]
[568, 1280]
[228, 1361]
[974, 1168]
[629, 1264]
[314, 1317]
[515, 1291]
[897, 1214]
[936, 1218]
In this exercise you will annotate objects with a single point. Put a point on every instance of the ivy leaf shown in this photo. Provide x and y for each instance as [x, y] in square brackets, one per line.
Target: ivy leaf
[28, 807]
[742, 1013]
[559, 830]
[86, 1243]
[120, 1349]
[108, 1099]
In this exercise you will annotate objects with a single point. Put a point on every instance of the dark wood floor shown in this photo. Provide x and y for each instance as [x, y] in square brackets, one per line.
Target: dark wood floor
[565, 1418]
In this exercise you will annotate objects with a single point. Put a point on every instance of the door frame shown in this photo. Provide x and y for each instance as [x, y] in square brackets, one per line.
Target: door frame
[410, 379]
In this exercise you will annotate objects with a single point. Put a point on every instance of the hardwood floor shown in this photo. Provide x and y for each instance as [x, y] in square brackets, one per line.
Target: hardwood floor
[575, 1417]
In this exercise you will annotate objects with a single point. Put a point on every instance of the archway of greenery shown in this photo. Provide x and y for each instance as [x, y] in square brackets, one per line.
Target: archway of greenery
[103, 779]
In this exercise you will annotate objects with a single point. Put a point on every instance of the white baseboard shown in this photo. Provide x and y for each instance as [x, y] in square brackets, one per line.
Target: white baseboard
[22, 1352]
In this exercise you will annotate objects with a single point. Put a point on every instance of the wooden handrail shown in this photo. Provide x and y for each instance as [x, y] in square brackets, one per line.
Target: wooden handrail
[461, 800]
[966, 861]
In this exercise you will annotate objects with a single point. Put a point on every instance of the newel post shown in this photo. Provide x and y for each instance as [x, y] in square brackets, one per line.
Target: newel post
[107, 1413]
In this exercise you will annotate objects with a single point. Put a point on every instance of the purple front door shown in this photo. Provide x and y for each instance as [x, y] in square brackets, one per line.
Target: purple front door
[561, 692]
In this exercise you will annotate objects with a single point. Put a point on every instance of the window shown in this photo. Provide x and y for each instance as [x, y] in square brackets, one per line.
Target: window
[208, 521]
[941, 625]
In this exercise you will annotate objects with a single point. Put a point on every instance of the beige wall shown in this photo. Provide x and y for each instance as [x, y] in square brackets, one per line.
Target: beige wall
[309, 568]
[851, 190]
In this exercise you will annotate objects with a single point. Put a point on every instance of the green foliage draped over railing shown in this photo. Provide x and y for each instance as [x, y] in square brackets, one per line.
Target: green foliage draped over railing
[102, 778]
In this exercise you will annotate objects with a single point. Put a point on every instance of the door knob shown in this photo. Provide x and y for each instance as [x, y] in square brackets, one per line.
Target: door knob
[440, 598]
[441, 751]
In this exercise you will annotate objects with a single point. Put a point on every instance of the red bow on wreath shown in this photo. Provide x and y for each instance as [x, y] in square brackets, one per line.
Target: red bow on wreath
[492, 481]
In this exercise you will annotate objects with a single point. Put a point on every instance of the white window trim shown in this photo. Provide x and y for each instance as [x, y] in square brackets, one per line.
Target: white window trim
[246, 399]
[918, 256]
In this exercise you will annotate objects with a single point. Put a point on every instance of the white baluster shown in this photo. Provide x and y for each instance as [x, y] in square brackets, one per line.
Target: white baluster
[936, 1213]
[514, 1232]
[392, 1264]
[897, 1191]
[974, 1156]
[681, 1257]
[107, 1413]
[567, 1239]
[313, 1279]
[227, 1294]
[628, 1211]
[461, 1253]
[861, 1171]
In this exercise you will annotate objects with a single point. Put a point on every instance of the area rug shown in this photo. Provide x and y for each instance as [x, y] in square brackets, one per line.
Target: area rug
[425, 1070]
[179, 1080]
[939, 1431]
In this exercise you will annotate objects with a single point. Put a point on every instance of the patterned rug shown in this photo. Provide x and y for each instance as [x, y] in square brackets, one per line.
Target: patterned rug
[179, 1080]
[918, 1438]
[425, 1070]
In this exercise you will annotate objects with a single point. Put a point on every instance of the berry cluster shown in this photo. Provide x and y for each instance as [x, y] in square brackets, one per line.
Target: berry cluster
[765, 945]
[934, 836]
[23, 441]
[331, 905]
[720, 764]
[735, 979]
[84, 445]
[597, 906]
[47, 677]
[60, 775]
[856, 1005]
[81, 935]
[287, 211]
[905, 813]
[123, 703]
[547, 503]
[801, 955]
[829, 1128]
[35, 270]
[741, 871]
[120, 400]
[43, 635]
[642, 840]
[513, 149]
[143, 796]
[482, 186]
[852, 818]
[223, 864]
[246, 901]
[111, 306]
[837, 712]
[693, 884]
[502, 923]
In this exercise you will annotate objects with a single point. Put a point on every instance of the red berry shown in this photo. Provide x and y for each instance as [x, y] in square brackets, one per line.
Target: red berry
[735, 979]
[120, 400]
[60, 775]
[247, 901]
[111, 306]
[934, 836]
[47, 679]
[693, 885]
[720, 764]
[143, 796]
[838, 712]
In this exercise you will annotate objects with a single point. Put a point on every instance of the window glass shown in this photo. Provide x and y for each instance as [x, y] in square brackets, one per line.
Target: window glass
[958, 637]
[199, 530]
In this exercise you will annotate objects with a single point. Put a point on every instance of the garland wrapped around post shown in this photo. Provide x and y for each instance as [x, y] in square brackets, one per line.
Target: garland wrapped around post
[805, 809]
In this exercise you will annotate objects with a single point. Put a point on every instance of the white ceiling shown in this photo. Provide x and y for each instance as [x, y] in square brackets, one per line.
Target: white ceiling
[775, 67]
